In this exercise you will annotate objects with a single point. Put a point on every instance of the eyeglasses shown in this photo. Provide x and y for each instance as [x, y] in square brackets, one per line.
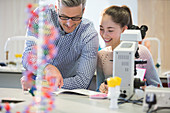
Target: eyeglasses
[72, 18]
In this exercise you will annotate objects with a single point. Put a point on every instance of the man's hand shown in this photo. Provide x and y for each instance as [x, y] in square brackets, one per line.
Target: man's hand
[51, 70]
[26, 84]
[103, 88]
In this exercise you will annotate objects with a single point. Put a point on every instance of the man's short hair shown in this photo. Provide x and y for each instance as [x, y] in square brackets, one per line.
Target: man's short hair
[72, 3]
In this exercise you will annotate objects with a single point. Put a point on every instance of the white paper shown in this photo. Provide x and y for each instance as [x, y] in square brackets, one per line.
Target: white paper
[140, 73]
[78, 91]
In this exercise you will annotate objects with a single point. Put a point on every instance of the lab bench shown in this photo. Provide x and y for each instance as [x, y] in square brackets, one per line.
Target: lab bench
[9, 79]
[72, 103]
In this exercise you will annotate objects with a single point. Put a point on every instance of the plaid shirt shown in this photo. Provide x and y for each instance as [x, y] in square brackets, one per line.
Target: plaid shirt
[77, 52]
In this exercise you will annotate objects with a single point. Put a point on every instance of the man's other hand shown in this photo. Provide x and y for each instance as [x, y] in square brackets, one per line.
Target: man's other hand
[51, 70]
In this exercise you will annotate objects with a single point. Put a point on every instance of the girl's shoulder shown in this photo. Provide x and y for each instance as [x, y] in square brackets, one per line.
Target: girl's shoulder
[105, 50]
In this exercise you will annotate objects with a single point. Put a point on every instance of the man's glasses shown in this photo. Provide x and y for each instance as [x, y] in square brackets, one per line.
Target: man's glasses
[72, 18]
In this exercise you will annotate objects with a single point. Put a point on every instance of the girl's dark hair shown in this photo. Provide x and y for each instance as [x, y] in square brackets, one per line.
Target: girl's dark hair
[118, 14]
[130, 15]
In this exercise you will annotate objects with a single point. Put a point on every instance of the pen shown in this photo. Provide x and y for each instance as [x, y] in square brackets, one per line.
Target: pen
[33, 88]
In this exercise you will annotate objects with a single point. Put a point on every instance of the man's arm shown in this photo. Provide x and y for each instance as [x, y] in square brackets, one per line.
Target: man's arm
[29, 62]
[29, 59]
[29, 56]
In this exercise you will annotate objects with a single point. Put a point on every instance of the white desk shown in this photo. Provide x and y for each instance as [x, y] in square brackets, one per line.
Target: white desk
[71, 103]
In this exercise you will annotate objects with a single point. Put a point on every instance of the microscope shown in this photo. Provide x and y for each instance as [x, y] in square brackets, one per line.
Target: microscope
[124, 63]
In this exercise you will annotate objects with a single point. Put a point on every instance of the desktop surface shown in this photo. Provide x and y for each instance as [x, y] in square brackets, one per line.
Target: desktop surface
[72, 103]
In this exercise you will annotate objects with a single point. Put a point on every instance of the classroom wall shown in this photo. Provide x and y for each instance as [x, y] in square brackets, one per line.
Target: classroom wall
[156, 15]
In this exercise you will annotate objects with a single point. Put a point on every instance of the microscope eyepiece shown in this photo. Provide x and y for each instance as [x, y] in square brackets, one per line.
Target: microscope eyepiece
[143, 29]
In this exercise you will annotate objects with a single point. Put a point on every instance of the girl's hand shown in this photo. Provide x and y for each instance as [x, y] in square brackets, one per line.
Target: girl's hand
[103, 88]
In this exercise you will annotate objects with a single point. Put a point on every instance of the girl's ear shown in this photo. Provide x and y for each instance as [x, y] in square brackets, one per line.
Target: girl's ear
[124, 28]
